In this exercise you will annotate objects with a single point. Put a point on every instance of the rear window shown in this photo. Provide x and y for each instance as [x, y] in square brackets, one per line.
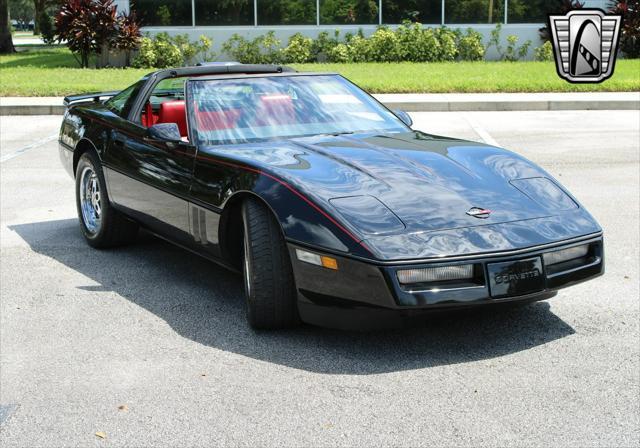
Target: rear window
[121, 103]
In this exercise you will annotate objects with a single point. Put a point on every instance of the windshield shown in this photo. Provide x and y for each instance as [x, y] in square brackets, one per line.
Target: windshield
[263, 108]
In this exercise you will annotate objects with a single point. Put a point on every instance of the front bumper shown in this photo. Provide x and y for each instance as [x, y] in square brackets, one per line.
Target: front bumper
[363, 294]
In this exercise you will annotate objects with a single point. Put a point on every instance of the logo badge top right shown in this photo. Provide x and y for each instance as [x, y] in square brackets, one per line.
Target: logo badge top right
[585, 42]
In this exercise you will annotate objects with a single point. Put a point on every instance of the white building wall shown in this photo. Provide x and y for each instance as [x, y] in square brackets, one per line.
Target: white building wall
[219, 34]
[123, 5]
[601, 4]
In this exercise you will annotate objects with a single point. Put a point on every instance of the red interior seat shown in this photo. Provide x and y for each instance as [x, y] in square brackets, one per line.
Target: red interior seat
[275, 110]
[217, 120]
[148, 117]
[174, 112]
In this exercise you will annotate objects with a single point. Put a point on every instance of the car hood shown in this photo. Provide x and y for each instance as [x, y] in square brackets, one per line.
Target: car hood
[413, 183]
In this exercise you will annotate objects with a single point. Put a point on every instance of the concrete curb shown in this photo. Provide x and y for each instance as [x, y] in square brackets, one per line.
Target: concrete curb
[31, 109]
[457, 102]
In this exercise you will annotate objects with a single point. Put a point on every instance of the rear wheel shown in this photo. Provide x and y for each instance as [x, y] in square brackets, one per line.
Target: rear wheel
[101, 224]
[268, 276]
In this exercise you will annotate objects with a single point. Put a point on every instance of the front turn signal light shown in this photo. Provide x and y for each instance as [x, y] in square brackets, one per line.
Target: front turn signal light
[318, 260]
[330, 263]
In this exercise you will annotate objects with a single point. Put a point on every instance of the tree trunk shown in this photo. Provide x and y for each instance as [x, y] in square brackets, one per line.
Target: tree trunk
[38, 6]
[6, 41]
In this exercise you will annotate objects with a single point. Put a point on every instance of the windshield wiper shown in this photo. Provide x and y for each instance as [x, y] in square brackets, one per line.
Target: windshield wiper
[335, 134]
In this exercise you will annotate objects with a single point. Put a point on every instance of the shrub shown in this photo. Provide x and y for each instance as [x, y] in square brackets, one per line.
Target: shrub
[298, 50]
[323, 45]
[263, 49]
[341, 53]
[146, 57]
[269, 48]
[165, 51]
[470, 46]
[544, 52]
[384, 46]
[417, 44]
[47, 30]
[86, 26]
[241, 49]
[127, 37]
[89, 26]
[358, 49]
[447, 41]
[192, 52]
[630, 33]
[512, 52]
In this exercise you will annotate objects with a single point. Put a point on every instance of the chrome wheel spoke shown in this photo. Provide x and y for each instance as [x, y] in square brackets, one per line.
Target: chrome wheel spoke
[90, 200]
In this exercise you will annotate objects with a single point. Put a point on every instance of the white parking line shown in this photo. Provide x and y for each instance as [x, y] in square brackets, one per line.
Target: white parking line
[482, 133]
[27, 148]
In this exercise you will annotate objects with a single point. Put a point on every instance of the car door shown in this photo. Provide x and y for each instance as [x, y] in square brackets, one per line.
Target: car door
[150, 180]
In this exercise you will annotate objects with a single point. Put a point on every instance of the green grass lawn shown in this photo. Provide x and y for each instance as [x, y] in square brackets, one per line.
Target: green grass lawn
[54, 72]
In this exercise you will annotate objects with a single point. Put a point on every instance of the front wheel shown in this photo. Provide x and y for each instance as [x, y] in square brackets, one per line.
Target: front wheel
[268, 277]
[101, 224]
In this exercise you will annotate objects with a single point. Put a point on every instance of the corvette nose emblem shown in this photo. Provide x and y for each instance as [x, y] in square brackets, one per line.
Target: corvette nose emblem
[477, 212]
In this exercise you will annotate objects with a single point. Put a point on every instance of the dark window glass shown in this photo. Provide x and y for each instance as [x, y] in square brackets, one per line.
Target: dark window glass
[531, 11]
[163, 12]
[121, 103]
[224, 12]
[337, 12]
[286, 12]
[423, 11]
[474, 11]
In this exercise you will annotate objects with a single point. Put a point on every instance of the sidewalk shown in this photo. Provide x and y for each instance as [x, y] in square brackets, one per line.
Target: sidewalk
[431, 102]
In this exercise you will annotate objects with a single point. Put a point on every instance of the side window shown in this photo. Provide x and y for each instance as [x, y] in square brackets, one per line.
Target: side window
[166, 105]
[121, 103]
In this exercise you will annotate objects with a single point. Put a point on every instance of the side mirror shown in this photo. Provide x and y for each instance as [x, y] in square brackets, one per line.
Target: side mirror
[404, 117]
[164, 133]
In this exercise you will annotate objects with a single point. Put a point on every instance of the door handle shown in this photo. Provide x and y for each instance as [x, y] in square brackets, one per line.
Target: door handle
[119, 140]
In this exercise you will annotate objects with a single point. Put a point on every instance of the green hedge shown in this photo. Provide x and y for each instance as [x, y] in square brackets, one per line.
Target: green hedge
[410, 42]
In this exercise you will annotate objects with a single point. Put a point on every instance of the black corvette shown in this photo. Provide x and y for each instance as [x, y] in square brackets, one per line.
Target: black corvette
[334, 210]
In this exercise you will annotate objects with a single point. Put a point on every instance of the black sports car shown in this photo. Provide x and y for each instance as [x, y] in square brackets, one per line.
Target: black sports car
[336, 212]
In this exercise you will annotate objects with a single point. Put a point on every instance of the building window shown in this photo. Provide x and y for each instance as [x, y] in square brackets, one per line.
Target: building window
[286, 12]
[348, 12]
[163, 12]
[530, 11]
[423, 11]
[224, 12]
[474, 11]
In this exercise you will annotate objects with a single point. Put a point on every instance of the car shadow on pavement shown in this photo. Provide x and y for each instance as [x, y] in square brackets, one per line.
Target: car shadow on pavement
[204, 303]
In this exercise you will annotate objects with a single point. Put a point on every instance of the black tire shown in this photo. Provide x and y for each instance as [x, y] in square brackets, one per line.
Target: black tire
[268, 277]
[114, 228]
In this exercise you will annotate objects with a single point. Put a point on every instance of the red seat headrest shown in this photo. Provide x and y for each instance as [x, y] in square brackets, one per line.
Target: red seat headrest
[174, 112]
[217, 120]
[275, 110]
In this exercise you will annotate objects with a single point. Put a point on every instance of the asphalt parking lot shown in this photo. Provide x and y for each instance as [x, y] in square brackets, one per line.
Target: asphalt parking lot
[147, 345]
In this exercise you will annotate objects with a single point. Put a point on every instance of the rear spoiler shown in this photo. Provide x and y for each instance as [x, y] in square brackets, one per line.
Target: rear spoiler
[95, 97]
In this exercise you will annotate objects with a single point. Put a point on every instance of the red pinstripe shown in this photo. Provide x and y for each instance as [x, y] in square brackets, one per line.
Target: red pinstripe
[297, 193]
